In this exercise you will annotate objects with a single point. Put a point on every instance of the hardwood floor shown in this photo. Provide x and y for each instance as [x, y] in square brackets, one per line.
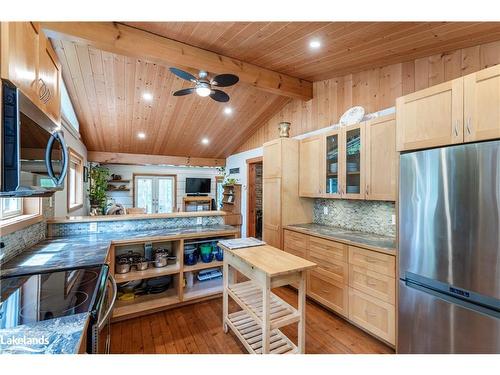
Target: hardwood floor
[197, 328]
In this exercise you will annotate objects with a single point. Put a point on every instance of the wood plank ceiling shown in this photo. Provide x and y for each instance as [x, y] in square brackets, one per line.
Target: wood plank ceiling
[107, 92]
[106, 89]
[347, 47]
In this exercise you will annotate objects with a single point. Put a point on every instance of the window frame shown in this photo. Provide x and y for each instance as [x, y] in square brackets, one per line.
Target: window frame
[79, 185]
[153, 175]
[12, 214]
[31, 214]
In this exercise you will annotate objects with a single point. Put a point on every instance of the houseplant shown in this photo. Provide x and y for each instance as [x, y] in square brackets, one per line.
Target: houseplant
[99, 177]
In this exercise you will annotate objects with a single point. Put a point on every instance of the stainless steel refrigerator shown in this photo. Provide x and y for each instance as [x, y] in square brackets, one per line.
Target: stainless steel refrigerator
[449, 250]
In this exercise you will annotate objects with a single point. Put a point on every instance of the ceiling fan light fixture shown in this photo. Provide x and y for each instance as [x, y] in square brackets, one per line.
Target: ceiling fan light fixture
[203, 89]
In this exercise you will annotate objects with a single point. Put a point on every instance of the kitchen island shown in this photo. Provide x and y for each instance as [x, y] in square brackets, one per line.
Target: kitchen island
[262, 312]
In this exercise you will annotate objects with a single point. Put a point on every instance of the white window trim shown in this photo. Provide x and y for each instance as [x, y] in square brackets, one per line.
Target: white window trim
[73, 155]
[31, 214]
[135, 176]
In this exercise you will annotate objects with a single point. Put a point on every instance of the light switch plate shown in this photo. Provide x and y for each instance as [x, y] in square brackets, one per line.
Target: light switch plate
[393, 219]
[93, 227]
[199, 221]
[325, 210]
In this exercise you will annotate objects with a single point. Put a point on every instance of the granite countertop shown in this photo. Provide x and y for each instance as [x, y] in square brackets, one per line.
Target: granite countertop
[367, 240]
[63, 335]
[55, 336]
[88, 250]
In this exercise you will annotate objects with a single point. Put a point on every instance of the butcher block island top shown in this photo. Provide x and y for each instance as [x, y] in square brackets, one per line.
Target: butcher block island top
[262, 312]
[271, 261]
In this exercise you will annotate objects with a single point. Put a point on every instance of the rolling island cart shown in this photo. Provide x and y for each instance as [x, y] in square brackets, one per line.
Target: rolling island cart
[262, 312]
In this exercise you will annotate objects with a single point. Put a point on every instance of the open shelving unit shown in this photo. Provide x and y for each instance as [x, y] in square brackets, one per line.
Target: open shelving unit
[177, 293]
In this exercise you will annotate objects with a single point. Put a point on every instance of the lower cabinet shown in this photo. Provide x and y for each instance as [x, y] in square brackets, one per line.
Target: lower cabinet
[356, 283]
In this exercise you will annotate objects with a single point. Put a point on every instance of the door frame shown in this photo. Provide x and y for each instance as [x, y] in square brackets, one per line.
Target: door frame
[174, 208]
[251, 163]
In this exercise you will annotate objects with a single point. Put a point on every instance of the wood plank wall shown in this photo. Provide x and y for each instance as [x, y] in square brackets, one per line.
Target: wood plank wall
[373, 89]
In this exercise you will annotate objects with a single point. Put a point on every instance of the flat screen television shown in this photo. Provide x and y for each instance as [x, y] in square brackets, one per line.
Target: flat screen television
[198, 185]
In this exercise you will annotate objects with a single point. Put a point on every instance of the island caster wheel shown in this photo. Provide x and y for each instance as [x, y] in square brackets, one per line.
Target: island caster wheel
[226, 328]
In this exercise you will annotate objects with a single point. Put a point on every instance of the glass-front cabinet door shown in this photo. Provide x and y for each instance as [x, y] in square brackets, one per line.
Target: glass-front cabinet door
[352, 180]
[333, 164]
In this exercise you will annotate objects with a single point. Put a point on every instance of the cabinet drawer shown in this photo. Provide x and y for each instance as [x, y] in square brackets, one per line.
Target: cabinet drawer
[372, 260]
[328, 249]
[328, 293]
[330, 267]
[372, 314]
[296, 243]
[372, 283]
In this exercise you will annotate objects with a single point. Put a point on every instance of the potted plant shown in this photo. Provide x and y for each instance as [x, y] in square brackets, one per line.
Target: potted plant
[99, 177]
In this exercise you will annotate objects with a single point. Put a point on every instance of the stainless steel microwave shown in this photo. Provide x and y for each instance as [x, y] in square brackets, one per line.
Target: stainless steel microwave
[34, 156]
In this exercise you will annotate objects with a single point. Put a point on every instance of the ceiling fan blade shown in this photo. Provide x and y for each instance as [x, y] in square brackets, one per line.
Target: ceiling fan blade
[219, 96]
[184, 75]
[225, 80]
[184, 91]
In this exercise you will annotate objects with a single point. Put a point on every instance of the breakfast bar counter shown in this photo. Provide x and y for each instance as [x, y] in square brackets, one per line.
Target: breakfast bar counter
[262, 312]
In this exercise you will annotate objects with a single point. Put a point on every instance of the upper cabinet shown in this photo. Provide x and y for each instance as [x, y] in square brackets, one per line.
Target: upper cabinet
[481, 103]
[331, 156]
[431, 117]
[29, 61]
[353, 162]
[20, 56]
[462, 110]
[309, 162]
[381, 159]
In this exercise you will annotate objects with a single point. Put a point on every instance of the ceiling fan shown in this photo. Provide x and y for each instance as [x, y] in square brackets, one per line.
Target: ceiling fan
[205, 86]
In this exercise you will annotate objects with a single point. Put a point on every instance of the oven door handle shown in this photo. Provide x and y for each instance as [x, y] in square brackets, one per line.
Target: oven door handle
[107, 315]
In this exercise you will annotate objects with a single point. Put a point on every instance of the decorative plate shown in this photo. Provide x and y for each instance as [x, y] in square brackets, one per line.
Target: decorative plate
[352, 116]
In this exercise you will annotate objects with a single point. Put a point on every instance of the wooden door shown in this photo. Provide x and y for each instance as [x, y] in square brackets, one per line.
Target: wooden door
[353, 162]
[381, 159]
[310, 172]
[272, 159]
[481, 103]
[20, 56]
[331, 164]
[431, 117]
[49, 77]
[271, 211]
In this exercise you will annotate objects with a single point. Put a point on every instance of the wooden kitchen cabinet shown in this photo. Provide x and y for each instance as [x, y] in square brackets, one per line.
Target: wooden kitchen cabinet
[481, 101]
[281, 202]
[29, 61]
[431, 117]
[20, 56]
[381, 159]
[49, 76]
[355, 282]
[310, 159]
[332, 165]
[353, 168]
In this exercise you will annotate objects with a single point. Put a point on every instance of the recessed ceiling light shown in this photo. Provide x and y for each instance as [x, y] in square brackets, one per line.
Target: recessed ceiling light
[205, 141]
[141, 135]
[315, 44]
[228, 110]
[147, 96]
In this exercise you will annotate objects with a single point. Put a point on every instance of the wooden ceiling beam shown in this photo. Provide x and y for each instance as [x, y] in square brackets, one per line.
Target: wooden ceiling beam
[129, 41]
[142, 159]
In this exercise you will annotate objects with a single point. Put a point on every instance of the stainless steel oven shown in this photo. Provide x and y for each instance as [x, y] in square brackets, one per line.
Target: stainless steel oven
[34, 158]
[99, 334]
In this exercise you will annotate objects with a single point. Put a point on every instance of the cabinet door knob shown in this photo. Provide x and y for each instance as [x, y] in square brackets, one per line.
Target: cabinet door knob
[468, 125]
[456, 128]
[367, 190]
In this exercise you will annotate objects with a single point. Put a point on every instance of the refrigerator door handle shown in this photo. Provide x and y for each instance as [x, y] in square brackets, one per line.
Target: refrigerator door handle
[454, 300]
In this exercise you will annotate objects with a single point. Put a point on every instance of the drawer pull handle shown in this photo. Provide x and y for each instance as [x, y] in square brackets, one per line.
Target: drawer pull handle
[370, 314]
[371, 260]
[371, 283]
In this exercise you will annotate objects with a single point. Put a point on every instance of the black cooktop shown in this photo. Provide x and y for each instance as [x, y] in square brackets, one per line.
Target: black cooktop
[33, 298]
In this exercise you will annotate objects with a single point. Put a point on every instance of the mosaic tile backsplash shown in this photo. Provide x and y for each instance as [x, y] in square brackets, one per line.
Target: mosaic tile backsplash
[365, 216]
[68, 229]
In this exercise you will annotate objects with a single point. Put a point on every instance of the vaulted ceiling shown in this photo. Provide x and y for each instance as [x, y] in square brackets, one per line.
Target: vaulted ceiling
[107, 88]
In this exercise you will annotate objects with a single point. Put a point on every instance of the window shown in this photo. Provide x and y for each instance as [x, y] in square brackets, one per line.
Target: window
[75, 181]
[10, 207]
[155, 193]
[220, 191]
